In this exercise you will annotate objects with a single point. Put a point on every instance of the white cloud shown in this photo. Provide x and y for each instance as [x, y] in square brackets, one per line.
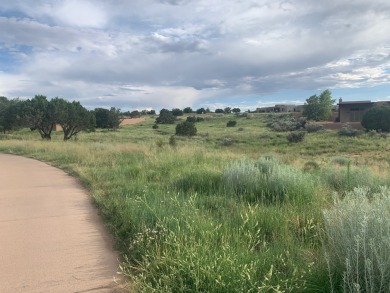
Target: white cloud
[190, 52]
[80, 13]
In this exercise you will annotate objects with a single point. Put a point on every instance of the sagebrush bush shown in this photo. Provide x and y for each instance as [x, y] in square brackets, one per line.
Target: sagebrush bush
[285, 122]
[357, 241]
[376, 134]
[348, 130]
[296, 136]
[227, 141]
[314, 127]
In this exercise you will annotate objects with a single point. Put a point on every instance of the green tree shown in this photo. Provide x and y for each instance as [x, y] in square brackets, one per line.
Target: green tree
[236, 110]
[227, 110]
[10, 114]
[177, 112]
[40, 114]
[319, 107]
[201, 111]
[101, 116]
[137, 114]
[114, 118]
[165, 117]
[219, 111]
[187, 110]
[73, 117]
[377, 118]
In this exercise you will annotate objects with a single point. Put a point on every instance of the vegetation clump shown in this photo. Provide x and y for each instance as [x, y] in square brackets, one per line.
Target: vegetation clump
[186, 129]
[269, 181]
[357, 244]
[296, 136]
[165, 117]
[312, 127]
[194, 119]
[231, 123]
[377, 118]
[348, 131]
[319, 107]
[285, 122]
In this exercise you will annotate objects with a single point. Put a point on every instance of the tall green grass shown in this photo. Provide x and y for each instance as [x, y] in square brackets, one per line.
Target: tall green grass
[205, 217]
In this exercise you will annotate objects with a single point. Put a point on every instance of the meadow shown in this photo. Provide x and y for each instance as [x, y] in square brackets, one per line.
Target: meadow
[234, 209]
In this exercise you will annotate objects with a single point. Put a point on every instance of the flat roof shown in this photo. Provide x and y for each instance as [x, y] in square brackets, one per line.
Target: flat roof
[356, 102]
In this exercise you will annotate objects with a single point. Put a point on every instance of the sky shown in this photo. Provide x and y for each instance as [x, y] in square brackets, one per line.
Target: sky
[154, 54]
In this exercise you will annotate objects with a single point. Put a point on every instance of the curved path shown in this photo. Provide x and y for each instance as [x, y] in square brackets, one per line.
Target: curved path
[51, 238]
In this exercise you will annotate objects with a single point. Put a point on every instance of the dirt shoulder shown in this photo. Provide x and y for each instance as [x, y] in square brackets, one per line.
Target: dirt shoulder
[51, 237]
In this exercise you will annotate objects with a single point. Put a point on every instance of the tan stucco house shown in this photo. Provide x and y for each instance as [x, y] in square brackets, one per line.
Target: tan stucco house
[353, 111]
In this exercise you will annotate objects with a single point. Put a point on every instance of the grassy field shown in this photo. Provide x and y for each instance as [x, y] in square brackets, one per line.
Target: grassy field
[233, 209]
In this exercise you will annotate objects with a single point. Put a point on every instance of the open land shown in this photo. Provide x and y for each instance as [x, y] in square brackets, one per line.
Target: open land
[232, 209]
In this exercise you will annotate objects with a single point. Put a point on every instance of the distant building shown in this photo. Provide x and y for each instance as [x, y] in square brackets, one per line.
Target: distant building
[281, 108]
[353, 111]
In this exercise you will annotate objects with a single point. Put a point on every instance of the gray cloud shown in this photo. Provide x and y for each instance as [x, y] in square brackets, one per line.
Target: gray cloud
[197, 48]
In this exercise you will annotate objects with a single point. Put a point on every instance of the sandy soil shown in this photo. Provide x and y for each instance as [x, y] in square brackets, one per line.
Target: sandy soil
[128, 121]
[51, 238]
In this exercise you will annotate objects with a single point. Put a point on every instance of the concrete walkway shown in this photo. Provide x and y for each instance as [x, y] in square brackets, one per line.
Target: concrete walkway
[51, 238]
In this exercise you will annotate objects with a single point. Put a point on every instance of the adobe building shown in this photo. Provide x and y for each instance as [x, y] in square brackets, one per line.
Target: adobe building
[353, 111]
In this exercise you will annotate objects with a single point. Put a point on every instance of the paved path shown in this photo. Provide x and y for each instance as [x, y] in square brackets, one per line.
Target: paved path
[51, 238]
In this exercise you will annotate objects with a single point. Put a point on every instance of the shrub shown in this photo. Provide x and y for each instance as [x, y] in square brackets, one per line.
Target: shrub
[285, 122]
[376, 134]
[377, 118]
[348, 131]
[296, 136]
[155, 126]
[172, 141]
[226, 141]
[165, 117]
[194, 119]
[314, 127]
[186, 128]
[342, 161]
[231, 123]
[358, 242]
[311, 166]
[191, 119]
[160, 143]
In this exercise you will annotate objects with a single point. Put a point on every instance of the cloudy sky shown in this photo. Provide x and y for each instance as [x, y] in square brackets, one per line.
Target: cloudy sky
[139, 54]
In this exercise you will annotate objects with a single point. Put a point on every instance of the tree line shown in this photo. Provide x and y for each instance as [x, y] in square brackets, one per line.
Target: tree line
[43, 115]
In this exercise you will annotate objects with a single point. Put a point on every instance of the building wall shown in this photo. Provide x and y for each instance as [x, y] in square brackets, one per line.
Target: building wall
[353, 112]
